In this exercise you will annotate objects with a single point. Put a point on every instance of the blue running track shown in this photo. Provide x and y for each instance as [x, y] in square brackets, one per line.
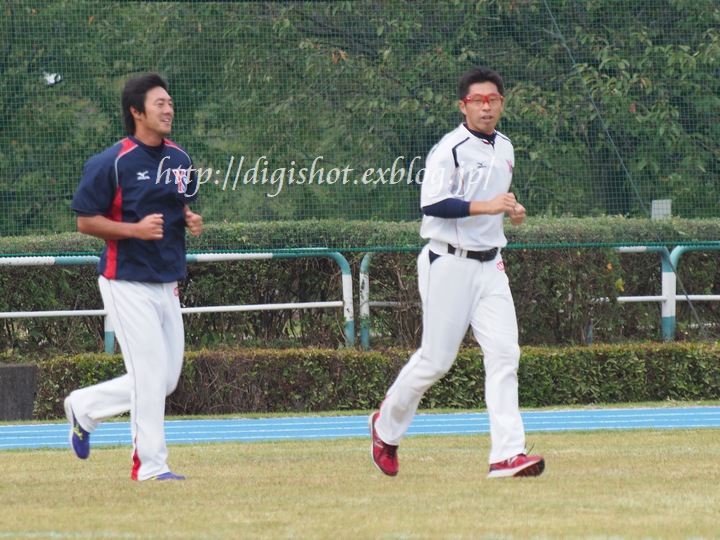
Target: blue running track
[333, 427]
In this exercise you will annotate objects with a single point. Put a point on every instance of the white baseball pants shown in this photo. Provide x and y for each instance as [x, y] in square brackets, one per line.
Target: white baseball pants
[149, 328]
[457, 293]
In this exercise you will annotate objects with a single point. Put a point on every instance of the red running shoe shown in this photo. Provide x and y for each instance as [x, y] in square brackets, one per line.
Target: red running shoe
[384, 456]
[520, 465]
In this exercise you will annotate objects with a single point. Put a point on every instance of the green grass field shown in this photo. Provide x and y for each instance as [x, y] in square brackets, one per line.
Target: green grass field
[612, 484]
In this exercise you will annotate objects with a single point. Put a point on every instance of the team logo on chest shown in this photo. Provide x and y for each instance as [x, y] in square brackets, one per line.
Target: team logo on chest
[181, 179]
[180, 176]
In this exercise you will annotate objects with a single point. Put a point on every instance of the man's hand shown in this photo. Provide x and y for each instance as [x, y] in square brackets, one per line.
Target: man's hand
[150, 227]
[500, 204]
[193, 221]
[505, 203]
[517, 216]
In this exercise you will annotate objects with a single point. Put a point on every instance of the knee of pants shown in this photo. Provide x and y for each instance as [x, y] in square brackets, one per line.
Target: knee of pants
[172, 383]
[433, 369]
[171, 386]
[508, 358]
[173, 379]
[511, 354]
[498, 345]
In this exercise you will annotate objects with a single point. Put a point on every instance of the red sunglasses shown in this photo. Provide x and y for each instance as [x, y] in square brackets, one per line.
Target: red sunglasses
[479, 99]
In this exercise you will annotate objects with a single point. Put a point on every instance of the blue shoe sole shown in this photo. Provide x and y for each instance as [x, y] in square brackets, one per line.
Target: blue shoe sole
[168, 476]
[80, 447]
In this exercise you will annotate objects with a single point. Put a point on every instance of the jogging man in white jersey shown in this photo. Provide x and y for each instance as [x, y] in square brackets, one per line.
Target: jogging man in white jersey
[135, 196]
[464, 198]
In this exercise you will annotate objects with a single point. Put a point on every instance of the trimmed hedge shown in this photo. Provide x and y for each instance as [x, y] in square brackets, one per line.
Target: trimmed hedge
[312, 380]
[346, 235]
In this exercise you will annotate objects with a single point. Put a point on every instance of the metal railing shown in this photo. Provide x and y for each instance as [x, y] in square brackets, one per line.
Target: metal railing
[346, 303]
[668, 297]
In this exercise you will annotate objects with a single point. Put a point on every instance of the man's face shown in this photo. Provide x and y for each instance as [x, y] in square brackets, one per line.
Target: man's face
[482, 107]
[158, 116]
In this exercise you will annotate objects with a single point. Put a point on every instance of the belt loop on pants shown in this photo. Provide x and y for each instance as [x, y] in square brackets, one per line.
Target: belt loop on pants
[482, 256]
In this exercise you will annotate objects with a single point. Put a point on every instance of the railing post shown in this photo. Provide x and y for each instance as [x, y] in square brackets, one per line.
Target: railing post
[364, 295]
[673, 262]
[669, 285]
[348, 310]
[109, 335]
[669, 291]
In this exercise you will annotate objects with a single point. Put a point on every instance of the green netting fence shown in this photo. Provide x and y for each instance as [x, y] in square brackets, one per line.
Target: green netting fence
[317, 113]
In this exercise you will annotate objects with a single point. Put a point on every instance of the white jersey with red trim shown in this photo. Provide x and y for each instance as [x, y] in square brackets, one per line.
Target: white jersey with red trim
[467, 167]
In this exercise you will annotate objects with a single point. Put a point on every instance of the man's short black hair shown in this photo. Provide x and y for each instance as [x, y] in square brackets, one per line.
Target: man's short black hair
[133, 95]
[479, 75]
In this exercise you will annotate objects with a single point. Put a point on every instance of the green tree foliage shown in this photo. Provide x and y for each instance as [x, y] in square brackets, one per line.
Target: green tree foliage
[610, 103]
